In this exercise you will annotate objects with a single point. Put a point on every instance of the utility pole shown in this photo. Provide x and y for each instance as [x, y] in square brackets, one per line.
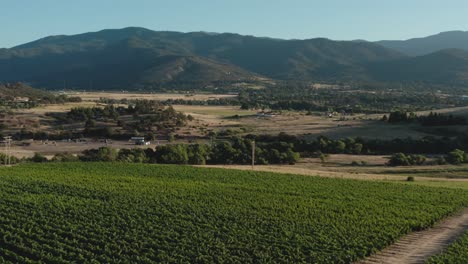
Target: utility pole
[7, 142]
[253, 154]
[6, 152]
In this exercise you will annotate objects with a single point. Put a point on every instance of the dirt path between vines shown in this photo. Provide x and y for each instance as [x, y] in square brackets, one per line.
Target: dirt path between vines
[417, 247]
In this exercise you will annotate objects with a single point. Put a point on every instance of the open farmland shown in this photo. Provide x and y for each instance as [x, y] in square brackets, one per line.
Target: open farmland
[220, 118]
[151, 213]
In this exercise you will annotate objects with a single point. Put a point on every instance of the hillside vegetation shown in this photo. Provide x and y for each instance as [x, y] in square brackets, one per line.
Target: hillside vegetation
[56, 213]
[10, 91]
[429, 44]
[138, 58]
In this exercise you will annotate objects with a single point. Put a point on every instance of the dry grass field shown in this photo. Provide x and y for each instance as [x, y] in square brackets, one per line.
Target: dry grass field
[50, 148]
[94, 96]
[219, 118]
[455, 111]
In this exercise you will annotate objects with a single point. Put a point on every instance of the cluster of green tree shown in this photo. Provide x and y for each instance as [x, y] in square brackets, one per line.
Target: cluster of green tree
[425, 145]
[237, 151]
[321, 144]
[219, 86]
[148, 117]
[218, 101]
[433, 119]
[233, 101]
[401, 159]
[37, 157]
[139, 107]
[136, 107]
[4, 159]
[93, 113]
[18, 95]
[350, 99]
[455, 157]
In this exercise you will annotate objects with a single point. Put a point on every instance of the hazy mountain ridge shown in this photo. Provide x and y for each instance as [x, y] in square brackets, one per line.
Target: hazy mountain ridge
[445, 66]
[137, 57]
[430, 44]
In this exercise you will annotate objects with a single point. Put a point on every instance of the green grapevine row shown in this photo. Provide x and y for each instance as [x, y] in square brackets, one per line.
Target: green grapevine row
[141, 213]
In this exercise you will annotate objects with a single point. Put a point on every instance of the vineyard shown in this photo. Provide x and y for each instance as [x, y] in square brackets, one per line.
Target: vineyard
[456, 253]
[130, 213]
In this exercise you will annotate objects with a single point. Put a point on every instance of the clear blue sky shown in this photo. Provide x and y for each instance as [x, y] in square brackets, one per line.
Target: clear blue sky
[26, 20]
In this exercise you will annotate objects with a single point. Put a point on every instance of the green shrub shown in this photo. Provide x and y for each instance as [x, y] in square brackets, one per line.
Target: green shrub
[65, 157]
[38, 158]
[4, 158]
[399, 159]
[456, 157]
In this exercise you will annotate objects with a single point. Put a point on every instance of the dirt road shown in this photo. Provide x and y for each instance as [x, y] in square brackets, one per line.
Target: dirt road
[417, 247]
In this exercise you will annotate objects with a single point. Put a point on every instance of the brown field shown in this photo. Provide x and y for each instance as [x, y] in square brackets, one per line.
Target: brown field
[454, 110]
[35, 119]
[217, 118]
[357, 126]
[43, 109]
[94, 96]
[50, 148]
[295, 123]
[220, 118]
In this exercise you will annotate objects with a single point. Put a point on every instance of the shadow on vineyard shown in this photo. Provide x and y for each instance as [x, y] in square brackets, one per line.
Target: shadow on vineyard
[141, 213]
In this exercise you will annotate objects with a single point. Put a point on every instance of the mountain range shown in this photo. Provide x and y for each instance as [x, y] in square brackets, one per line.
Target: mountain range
[138, 58]
[430, 44]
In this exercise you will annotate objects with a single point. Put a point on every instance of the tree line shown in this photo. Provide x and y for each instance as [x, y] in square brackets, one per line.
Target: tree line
[433, 119]
[323, 144]
[237, 151]
[456, 157]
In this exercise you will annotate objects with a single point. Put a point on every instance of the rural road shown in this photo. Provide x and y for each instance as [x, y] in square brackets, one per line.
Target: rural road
[417, 247]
